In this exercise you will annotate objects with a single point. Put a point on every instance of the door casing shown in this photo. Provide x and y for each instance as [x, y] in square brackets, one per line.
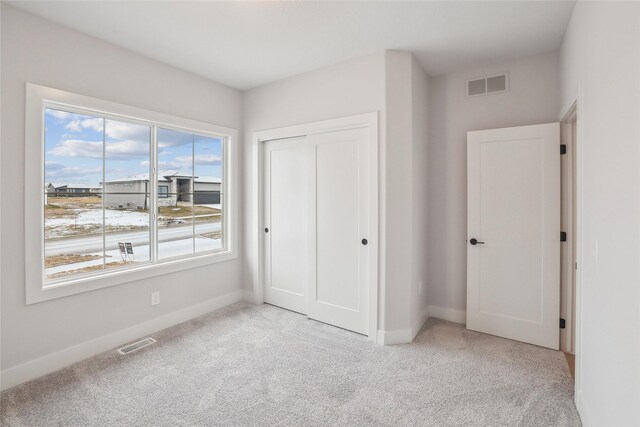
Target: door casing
[572, 112]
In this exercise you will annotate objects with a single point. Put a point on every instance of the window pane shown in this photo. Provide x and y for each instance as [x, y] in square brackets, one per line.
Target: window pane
[208, 222]
[207, 161]
[73, 205]
[127, 232]
[126, 193]
[208, 175]
[175, 207]
[175, 153]
[73, 235]
[175, 227]
[73, 152]
[127, 153]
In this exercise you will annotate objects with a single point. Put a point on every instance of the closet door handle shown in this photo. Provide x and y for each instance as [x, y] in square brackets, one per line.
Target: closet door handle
[266, 230]
[365, 242]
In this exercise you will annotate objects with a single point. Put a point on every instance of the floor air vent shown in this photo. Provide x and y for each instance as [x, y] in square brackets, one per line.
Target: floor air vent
[130, 348]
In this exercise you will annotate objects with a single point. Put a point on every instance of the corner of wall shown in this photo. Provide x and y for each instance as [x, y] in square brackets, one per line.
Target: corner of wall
[451, 314]
[397, 206]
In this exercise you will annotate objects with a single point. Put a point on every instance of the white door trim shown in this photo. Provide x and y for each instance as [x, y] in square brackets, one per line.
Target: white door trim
[568, 269]
[575, 107]
[367, 120]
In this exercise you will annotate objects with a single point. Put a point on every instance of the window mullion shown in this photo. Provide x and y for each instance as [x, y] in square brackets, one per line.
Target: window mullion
[223, 192]
[193, 194]
[153, 196]
[104, 174]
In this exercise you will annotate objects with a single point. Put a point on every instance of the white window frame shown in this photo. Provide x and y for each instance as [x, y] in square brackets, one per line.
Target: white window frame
[40, 97]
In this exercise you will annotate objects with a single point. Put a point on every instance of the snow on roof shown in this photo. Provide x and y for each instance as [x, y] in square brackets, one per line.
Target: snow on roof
[138, 177]
[166, 175]
[208, 180]
[71, 185]
[171, 172]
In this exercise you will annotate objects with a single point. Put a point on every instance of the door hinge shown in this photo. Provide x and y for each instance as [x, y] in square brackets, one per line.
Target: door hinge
[563, 148]
[562, 324]
[563, 236]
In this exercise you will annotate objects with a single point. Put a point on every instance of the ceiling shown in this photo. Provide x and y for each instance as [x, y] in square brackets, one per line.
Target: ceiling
[246, 44]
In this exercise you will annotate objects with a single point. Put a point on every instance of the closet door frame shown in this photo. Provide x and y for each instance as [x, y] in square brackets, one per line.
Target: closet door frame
[368, 121]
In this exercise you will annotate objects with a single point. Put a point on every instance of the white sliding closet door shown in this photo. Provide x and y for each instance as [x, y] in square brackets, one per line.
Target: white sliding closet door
[338, 292]
[288, 222]
[317, 219]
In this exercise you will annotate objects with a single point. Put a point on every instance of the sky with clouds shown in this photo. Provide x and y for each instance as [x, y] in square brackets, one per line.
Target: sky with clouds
[76, 144]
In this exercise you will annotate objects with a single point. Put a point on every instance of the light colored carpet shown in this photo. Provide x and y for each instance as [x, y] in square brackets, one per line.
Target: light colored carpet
[260, 365]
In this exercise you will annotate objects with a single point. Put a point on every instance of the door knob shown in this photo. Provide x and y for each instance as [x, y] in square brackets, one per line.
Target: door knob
[266, 230]
[365, 241]
[475, 241]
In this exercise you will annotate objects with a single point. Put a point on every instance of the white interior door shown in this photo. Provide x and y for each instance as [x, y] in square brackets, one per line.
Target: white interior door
[339, 289]
[288, 225]
[513, 248]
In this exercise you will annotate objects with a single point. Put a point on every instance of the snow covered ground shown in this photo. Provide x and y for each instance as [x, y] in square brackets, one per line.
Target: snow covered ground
[112, 217]
[79, 231]
[89, 221]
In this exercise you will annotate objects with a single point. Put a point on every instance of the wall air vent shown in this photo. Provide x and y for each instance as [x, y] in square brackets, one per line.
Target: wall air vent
[130, 348]
[487, 85]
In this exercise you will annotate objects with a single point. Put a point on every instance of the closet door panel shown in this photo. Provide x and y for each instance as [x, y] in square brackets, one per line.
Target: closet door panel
[337, 224]
[288, 195]
[339, 286]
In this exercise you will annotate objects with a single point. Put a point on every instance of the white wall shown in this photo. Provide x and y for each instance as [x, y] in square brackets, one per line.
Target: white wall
[420, 206]
[406, 93]
[601, 55]
[397, 205]
[35, 50]
[533, 98]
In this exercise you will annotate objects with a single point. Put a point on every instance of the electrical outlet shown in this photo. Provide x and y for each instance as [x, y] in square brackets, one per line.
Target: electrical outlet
[155, 298]
[420, 287]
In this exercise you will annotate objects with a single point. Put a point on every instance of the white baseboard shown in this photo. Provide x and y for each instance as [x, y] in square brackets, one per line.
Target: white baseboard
[582, 410]
[400, 336]
[35, 368]
[450, 314]
[418, 322]
[403, 336]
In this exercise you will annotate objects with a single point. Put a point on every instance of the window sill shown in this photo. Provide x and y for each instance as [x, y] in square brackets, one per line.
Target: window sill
[39, 293]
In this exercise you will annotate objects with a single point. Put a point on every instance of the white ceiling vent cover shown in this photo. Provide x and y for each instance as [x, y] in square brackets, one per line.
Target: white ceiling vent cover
[136, 346]
[487, 85]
